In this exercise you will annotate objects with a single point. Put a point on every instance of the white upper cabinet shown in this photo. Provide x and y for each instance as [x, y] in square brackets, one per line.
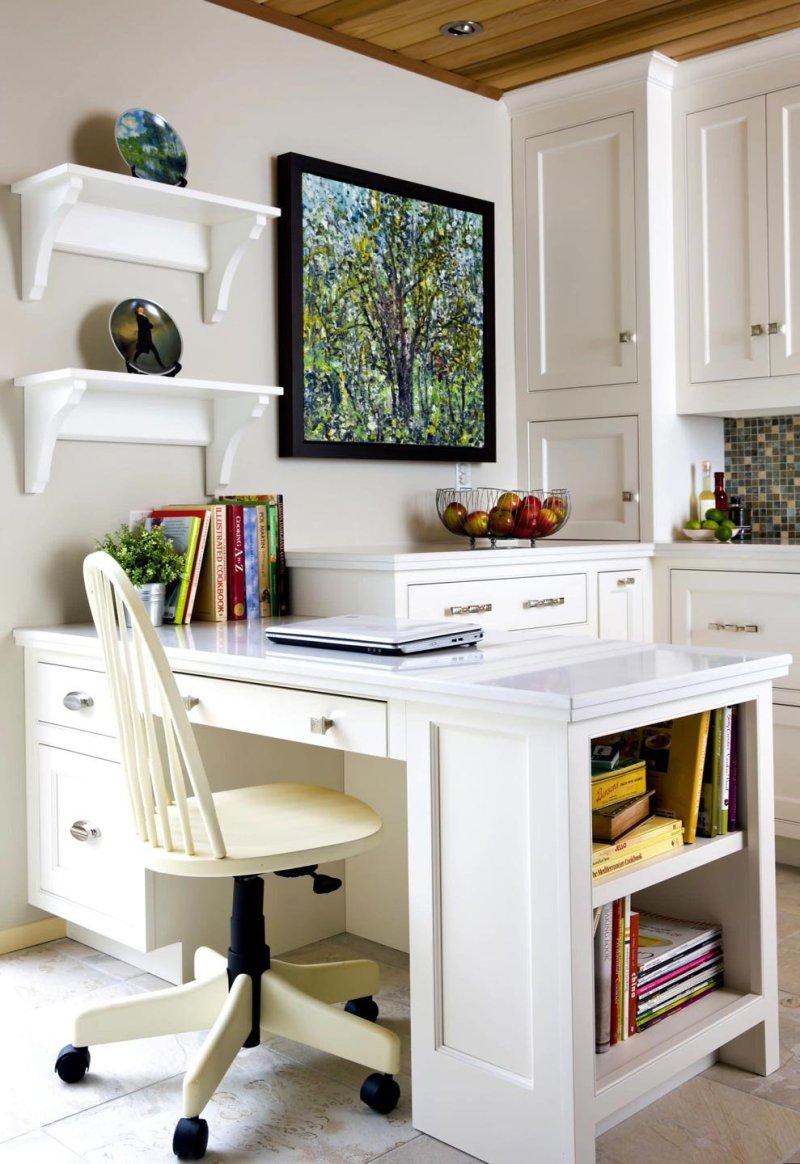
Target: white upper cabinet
[580, 285]
[727, 239]
[743, 257]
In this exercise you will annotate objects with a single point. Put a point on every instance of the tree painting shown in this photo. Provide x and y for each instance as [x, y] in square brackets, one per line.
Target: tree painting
[393, 318]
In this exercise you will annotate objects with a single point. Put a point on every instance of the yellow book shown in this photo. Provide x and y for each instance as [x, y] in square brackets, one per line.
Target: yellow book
[677, 790]
[619, 784]
[649, 832]
[633, 857]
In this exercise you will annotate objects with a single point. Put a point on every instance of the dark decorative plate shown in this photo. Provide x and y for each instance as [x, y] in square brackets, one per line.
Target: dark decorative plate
[151, 147]
[146, 337]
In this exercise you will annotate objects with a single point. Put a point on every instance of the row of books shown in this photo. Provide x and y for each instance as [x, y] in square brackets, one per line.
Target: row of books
[234, 564]
[719, 794]
[647, 967]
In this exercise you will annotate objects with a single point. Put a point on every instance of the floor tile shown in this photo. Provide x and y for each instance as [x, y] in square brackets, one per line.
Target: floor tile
[426, 1150]
[36, 1148]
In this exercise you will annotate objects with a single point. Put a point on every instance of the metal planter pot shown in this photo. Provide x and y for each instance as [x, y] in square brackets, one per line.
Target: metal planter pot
[152, 595]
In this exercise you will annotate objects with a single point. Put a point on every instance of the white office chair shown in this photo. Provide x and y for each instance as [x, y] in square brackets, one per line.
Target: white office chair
[188, 831]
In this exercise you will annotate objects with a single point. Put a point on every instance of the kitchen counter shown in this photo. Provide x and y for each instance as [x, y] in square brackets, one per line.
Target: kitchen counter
[457, 553]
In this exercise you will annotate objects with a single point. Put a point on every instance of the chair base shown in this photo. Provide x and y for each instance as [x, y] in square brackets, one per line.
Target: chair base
[290, 1000]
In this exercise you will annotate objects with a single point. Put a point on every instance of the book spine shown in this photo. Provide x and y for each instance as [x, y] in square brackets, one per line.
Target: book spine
[690, 823]
[188, 567]
[634, 974]
[283, 573]
[725, 769]
[616, 968]
[615, 850]
[733, 797]
[637, 856]
[612, 789]
[236, 588]
[202, 542]
[625, 988]
[716, 760]
[252, 604]
[274, 533]
[264, 601]
[211, 602]
[602, 980]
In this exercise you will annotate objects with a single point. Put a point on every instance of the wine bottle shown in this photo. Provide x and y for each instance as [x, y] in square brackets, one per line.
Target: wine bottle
[720, 496]
[705, 498]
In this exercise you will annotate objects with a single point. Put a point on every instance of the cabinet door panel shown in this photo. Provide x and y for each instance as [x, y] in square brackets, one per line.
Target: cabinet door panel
[620, 605]
[783, 171]
[580, 272]
[598, 461]
[787, 768]
[727, 240]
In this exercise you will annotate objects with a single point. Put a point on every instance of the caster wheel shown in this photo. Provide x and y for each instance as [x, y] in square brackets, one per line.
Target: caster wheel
[380, 1092]
[191, 1138]
[72, 1063]
[365, 1008]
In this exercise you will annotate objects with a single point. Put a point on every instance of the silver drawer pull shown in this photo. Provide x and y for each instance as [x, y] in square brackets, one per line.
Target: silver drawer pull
[81, 830]
[320, 724]
[473, 608]
[749, 628]
[756, 329]
[532, 603]
[77, 700]
[629, 495]
[627, 337]
[190, 701]
[626, 581]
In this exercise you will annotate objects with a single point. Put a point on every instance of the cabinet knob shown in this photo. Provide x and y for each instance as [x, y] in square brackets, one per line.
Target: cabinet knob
[625, 581]
[535, 603]
[627, 337]
[776, 328]
[749, 628]
[756, 329]
[190, 701]
[629, 495]
[473, 608]
[77, 700]
[82, 830]
[320, 724]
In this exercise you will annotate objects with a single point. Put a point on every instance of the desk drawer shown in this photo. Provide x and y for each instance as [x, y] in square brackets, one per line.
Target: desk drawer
[92, 709]
[504, 603]
[308, 717]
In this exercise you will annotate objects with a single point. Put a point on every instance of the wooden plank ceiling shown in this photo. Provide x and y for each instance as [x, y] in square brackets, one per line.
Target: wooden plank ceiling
[524, 42]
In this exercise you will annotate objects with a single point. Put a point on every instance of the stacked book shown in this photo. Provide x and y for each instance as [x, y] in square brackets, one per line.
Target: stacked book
[677, 963]
[234, 564]
[616, 944]
[624, 829]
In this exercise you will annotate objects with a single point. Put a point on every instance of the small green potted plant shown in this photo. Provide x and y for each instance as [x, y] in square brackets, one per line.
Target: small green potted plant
[149, 559]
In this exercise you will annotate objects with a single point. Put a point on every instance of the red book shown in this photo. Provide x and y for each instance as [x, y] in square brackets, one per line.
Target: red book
[634, 964]
[237, 608]
[616, 967]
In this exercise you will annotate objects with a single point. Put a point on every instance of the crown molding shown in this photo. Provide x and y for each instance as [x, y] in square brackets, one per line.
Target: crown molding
[644, 68]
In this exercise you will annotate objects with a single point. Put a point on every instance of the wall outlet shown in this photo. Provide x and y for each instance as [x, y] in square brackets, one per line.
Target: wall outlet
[463, 475]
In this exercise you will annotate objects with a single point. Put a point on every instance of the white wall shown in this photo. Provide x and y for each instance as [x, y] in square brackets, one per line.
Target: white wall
[240, 92]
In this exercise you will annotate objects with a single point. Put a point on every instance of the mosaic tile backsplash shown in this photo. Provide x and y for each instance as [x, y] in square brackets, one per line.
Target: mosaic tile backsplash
[761, 467]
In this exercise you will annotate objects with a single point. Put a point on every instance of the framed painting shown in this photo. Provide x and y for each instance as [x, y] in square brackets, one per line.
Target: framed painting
[386, 303]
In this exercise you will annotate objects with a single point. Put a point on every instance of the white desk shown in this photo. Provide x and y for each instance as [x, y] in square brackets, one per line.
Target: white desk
[500, 892]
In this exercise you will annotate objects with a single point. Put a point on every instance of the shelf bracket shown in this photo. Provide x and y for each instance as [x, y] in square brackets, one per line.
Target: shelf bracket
[43, 213]
[232, 415]
[46, 410]
[228, 241]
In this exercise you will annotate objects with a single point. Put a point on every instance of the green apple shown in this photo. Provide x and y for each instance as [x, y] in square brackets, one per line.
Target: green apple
[709, 523]
[454, 516]
[692, 525]
[716, 515]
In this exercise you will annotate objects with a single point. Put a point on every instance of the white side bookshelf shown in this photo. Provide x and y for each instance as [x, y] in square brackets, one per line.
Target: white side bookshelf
[115, 216]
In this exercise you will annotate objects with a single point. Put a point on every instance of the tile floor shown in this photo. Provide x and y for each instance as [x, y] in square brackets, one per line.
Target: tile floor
[281, 1103]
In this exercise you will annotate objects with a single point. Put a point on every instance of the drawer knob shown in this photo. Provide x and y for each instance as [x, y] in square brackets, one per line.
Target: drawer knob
[320, 724]
[473, 608]
[533, 603]
[625, 581]
[190, 701]
[627, 337]
[77, 700]
[749, 628]
[756, 329]
[82, 830]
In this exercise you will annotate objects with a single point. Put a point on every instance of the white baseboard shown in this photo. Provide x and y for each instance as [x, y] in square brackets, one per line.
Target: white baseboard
[32, 934]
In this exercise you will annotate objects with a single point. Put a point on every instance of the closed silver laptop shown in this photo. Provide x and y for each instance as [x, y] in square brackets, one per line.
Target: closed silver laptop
[375, 636]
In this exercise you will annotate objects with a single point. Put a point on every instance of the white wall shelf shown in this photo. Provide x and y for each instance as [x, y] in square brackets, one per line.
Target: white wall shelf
[86, 405]
[114, 216]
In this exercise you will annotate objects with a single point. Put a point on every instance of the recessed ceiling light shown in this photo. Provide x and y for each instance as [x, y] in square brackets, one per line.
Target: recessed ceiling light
[461, 28]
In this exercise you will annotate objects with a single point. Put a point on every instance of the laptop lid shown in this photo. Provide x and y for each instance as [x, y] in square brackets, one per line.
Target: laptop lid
[360, 632]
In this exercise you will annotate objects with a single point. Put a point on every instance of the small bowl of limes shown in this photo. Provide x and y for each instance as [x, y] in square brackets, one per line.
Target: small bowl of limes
[715, 527]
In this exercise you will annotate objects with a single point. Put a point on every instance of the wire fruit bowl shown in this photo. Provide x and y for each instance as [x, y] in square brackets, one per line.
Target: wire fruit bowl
[503, 514]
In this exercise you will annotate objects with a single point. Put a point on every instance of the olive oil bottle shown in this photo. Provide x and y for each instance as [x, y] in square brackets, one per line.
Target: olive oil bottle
[705, 498]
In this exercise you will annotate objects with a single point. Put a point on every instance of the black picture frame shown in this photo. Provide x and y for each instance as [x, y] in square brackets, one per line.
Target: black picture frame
[434, 398]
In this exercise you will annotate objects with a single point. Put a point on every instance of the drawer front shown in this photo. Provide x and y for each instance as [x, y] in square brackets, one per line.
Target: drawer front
[620, 605]
[504, 603]
[308, 717]
[103, 873]
[746, 610]
[86, 691]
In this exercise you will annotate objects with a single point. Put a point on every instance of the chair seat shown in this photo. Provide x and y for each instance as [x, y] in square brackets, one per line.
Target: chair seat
[269, 827]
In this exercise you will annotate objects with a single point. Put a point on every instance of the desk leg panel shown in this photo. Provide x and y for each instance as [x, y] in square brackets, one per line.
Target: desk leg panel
[489, 935]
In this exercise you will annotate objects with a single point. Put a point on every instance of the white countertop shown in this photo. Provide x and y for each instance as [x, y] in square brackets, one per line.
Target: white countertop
[731, 552]
[558, 677]
[457, 552]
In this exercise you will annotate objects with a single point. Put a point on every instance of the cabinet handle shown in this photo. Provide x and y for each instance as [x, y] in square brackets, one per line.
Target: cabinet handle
[473, 608]
[533, 603]
[627, 337]
[77, 700]
[81, 830]
[626, 581]
[756, 329]
[190, 701]
[628, 495]
[749, 628]
[320, 724]
[776, 329]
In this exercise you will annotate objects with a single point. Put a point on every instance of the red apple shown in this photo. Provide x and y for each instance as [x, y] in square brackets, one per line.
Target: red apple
[549, 520]
[501, 521]
[556, 503]
[527, 515]
[510, 501]
[454, 516]
[476, 524]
